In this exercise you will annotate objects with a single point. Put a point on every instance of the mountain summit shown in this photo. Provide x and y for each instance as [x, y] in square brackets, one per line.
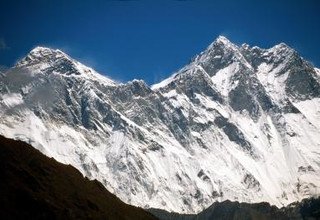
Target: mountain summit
[53, 61]
[238, 122]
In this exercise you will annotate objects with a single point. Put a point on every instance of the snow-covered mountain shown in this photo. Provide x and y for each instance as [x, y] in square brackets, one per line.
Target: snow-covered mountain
[238, 122]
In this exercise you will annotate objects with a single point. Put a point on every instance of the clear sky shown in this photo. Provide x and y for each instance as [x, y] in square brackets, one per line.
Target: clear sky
[151, 39]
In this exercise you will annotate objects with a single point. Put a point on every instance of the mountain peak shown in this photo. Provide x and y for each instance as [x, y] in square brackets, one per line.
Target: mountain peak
[223, 39]
[41, 54]
[48, 60]
[282, 47]
[41, 49]
[222, 42]
[217, 128]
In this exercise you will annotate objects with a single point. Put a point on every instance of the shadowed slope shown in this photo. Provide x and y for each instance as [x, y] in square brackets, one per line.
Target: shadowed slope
[306, 209]
[33, 186]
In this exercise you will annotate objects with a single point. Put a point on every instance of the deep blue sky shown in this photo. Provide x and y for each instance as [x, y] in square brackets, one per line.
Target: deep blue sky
[151, 39]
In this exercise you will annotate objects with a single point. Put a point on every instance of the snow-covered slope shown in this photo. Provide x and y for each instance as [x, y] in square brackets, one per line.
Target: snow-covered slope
[239, 123]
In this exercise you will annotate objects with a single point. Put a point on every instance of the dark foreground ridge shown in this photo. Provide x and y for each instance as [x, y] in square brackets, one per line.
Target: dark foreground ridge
[33, 186]
[306, 209]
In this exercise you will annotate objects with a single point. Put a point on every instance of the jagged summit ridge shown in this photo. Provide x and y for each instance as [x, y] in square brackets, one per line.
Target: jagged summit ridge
[237, 123]
[47, 61]
[223, 52]
[222, 41]
[41, 54]
[44, 51]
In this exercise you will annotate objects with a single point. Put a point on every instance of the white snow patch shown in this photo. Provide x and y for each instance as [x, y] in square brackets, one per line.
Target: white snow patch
[272, 82]
[11, 99]
[222, 79]
[163, 83]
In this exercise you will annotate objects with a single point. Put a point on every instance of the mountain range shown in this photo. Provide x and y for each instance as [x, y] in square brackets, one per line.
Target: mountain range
[34, 186]
[237, 123]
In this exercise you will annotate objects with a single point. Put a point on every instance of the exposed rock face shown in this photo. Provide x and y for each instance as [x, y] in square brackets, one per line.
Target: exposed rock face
[236, 123]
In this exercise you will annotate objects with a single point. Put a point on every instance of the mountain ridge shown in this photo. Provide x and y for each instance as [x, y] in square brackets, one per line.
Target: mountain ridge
[306, 209]
[45, 50]
[220, 128]
[37, 187]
